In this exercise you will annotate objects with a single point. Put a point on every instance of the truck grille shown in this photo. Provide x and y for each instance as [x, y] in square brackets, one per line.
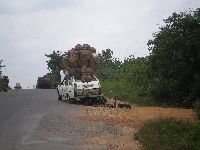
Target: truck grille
[87, 92]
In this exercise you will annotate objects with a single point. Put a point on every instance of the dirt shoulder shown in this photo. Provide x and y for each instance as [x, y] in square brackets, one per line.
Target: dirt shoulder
[8, 90]
[135, 116]
[129, 121]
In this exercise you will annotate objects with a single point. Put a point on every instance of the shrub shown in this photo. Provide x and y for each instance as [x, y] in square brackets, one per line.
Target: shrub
[126, 92]
[196, 108]
[169, 134]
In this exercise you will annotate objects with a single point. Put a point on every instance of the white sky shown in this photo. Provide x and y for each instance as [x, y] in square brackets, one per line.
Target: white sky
[31, 28]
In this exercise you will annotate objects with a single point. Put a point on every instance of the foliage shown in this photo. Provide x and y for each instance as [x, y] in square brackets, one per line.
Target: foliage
[169, 134]
[107, 70]
[196, 108]
[175, 59]
[1, 66]
[127, 80]
[117, 90]
[54, 66]
[170, 74]
[134, 72]
[120, 90]
[3, 79]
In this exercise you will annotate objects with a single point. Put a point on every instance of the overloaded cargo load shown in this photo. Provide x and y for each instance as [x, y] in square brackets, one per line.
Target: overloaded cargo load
[18, 86]
[43, 82]
[81, 62]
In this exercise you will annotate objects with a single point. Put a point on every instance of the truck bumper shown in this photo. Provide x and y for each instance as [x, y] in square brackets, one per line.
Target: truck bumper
[89, 96]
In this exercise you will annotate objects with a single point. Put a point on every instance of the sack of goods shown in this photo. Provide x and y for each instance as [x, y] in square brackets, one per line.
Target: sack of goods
[81, 62]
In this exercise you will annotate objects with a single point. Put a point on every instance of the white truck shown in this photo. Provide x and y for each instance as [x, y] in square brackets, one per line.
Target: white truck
[71, 89]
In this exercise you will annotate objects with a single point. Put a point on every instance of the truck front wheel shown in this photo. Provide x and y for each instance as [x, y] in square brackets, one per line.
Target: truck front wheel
[67, 97]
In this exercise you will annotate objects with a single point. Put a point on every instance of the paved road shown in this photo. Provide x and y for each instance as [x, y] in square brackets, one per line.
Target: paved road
[35, 119]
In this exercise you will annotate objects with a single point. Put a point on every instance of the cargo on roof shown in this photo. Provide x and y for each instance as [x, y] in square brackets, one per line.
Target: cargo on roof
[81, 62]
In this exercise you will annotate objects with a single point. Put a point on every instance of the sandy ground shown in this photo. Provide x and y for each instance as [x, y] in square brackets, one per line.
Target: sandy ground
[129, 121]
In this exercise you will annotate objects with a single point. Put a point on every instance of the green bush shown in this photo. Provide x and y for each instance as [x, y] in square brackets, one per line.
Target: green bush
[169, 134]
[126, 92]
[196, 108]
[174, 59]
[117, 90]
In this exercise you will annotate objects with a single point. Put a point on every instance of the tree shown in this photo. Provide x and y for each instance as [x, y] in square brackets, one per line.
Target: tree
[175, 58]
[1, 66]
[134, 72]
[3, 79]
[54, 65]
[107, 70]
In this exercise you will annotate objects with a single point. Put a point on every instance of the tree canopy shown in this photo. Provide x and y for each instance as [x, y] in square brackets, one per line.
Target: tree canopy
[175, 58]
[1, 66]
[171, 73]
[54, 66]
[107, 70]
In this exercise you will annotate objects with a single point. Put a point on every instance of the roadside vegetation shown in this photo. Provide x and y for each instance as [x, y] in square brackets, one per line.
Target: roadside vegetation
[168, 134]
[170, 74]
[196, 109]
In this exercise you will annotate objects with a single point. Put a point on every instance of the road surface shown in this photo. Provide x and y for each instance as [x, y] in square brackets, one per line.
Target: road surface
[36, 120]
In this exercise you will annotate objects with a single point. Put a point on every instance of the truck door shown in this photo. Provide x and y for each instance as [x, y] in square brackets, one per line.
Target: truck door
[70, 89]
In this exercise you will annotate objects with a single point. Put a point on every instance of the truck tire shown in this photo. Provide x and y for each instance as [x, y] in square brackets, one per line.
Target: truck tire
[86, 102]
[67, 97]
[59, 97]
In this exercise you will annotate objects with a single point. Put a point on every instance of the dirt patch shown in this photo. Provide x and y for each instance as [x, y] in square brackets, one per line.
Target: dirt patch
[135, 116]
[12, 90]
[8, 90]
[129, 120]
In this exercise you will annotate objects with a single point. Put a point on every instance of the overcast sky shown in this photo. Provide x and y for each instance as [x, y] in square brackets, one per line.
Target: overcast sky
[31, 28]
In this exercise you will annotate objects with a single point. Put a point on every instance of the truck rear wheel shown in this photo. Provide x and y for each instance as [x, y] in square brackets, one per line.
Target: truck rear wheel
[87, 101]
[59, 97]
